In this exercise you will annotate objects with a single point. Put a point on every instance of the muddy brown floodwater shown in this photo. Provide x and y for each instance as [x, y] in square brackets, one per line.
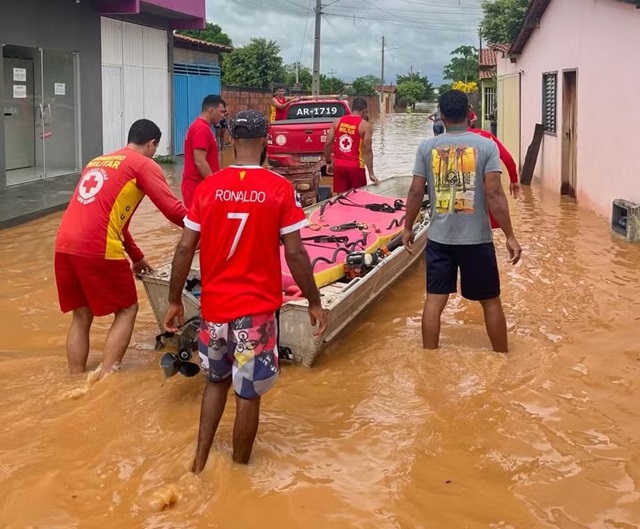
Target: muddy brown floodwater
[379, 434]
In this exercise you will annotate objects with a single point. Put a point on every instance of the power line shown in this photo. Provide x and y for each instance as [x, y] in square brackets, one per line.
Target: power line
[304, 35]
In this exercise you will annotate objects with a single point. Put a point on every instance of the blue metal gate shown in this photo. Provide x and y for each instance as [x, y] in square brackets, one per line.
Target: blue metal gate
[191, 84]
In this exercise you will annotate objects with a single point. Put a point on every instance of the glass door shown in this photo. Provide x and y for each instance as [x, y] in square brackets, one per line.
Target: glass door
[59, 113]
[39, 102]
[23, 110]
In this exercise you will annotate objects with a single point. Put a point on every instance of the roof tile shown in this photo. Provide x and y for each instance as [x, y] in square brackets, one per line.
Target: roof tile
[487, 57]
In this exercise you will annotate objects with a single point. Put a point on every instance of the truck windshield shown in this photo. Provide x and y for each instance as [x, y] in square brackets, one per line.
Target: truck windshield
[316, 110]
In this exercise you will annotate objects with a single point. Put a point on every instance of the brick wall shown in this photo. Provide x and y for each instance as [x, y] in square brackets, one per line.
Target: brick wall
[238, 98]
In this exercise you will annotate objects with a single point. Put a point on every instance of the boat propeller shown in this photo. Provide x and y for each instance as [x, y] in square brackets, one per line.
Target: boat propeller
[172, 364]
[179, 362]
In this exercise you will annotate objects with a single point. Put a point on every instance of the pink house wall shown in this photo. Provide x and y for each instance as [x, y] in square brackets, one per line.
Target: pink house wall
[599, 38]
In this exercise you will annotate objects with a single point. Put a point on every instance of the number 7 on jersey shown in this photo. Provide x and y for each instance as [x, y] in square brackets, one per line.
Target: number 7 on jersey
[242, 217]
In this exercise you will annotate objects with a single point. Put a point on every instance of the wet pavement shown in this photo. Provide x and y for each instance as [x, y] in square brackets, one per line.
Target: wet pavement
[379, 434]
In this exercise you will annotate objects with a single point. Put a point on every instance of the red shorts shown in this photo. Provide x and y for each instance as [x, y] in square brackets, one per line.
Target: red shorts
[105, 286]
[345, 178]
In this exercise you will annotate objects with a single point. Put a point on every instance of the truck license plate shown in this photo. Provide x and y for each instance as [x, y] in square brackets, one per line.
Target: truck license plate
[309, 159]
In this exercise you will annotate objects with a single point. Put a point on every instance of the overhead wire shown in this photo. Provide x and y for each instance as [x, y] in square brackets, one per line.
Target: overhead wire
[304, 35]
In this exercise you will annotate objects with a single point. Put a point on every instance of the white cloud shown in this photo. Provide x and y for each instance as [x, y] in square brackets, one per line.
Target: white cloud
[419, 33]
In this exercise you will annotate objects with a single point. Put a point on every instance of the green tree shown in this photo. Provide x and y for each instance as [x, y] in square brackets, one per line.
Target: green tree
[362, 87]
[304, 76]
[212, 33]
[258, 64]
[463, 65]
[444, 87]
[429, 90]
[331, 85]
[409, 92]
[328, 85]
[502, 19]
[372, 80]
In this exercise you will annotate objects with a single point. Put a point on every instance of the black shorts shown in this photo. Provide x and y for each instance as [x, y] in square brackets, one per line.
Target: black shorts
[479, 277]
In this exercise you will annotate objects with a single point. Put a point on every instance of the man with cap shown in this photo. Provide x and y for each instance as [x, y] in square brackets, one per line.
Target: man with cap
[239, 218]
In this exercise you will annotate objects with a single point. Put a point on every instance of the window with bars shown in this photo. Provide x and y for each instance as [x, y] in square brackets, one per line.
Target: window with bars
[549, 101]
[489, 101]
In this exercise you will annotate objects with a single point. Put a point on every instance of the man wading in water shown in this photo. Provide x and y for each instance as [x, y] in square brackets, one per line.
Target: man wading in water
[349, 138]
[93, 275]
[201, 152]
[462, 170]
[239, 218]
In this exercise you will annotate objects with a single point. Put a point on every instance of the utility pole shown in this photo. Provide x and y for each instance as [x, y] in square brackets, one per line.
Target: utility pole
[382, 71]
[297, 73]
[315, 84]
[382, 77]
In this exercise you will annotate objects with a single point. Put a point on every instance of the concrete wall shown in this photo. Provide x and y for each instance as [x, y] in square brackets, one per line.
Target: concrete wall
[66, 26]
[508, 99]
[599, 38]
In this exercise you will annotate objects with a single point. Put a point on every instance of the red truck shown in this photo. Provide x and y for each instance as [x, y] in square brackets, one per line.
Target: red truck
[300, 139]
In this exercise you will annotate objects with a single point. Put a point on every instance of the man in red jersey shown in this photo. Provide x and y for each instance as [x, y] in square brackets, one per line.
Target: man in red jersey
[280, 105]
[239, 218]
[201, 156]
[93, 276]
[349, 138]
[509, 163]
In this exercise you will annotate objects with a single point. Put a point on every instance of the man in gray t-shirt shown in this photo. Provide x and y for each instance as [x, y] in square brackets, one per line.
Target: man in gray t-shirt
[463, 172]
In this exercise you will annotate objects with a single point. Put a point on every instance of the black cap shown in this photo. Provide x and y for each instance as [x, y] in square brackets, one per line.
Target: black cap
[248, 124]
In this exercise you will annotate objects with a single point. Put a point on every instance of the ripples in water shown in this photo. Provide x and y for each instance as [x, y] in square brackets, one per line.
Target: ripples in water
[380, 433]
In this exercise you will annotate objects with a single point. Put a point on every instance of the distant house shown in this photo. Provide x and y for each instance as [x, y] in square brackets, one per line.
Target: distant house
[487, 73]
[387, 94]
[196, 74]
[572, 69]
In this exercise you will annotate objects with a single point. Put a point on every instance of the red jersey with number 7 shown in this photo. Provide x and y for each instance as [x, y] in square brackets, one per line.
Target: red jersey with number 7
[241, 215]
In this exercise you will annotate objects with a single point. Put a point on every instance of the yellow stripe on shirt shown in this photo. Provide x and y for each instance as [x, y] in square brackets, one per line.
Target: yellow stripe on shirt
[123, 207]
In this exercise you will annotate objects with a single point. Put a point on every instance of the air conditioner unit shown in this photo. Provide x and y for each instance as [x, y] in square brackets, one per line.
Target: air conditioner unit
[625, 219]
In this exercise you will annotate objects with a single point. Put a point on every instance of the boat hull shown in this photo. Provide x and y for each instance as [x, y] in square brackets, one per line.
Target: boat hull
[343, 300]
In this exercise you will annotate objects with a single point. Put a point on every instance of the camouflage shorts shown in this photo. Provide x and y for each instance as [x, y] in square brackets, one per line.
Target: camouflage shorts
[245, 349]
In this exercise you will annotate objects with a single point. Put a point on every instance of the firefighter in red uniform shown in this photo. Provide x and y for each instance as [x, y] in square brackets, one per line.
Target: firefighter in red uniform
[92, 273]
[349, 139]
[280, 105]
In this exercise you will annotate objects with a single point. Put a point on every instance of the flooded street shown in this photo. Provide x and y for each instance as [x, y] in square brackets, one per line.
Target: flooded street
[379, 434]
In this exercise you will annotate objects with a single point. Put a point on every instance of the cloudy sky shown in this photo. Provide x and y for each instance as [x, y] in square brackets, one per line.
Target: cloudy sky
[419, 33]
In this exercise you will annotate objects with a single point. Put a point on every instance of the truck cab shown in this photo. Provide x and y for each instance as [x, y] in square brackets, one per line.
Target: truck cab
[299, 140]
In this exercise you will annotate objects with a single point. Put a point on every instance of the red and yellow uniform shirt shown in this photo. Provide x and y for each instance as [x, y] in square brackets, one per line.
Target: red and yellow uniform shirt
[96, 222]
[241, 215]
[348, 146]
[278, 113]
